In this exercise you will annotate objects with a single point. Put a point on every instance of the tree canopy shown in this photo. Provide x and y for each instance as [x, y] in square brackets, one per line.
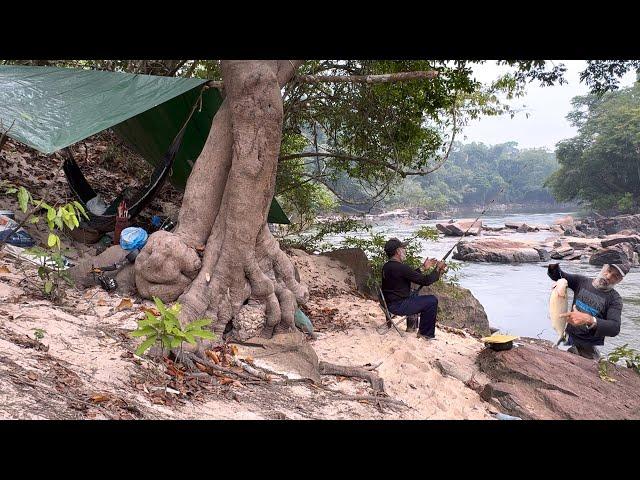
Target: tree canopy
[601, 165]
[357, 136]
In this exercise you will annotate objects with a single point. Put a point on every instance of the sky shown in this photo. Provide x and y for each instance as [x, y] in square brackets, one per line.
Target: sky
[547, 108]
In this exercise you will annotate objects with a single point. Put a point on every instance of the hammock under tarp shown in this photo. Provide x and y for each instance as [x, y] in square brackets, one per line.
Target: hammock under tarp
[51, 108]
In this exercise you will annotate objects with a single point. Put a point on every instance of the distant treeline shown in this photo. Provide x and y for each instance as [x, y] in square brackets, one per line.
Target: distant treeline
[475, 173]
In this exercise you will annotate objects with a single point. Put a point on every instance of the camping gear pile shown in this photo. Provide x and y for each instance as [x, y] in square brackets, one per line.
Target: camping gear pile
[167, 120]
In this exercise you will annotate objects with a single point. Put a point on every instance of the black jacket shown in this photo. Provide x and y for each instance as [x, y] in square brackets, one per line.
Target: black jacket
[606, 307]
[397, 278]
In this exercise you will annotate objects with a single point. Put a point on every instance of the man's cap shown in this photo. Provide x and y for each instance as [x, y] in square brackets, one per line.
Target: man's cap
[392, 245]
[623, 268]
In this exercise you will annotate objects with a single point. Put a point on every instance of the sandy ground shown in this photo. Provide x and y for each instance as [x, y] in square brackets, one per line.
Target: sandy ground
[83, 366]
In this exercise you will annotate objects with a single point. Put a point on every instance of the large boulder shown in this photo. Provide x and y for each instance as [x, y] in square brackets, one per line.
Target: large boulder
[457, 229]
[521, 227]
[498, 251]
[356, 260]
[536, 381]
[615, 254]
[399, 213]
[524, 228]
[561, 252]
[457, 307]
[618, 223]
[614, 240]
[566, 221]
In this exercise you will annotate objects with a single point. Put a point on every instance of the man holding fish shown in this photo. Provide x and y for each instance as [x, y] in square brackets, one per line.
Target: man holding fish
[596, 311]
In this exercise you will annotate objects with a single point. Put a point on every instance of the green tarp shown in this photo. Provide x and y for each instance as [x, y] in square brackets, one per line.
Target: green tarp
[57, 107]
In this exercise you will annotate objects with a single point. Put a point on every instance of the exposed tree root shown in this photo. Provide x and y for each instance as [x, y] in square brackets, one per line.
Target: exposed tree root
[331, 369]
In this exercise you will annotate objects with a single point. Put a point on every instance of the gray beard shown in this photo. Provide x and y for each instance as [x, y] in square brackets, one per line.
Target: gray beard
[600, 284]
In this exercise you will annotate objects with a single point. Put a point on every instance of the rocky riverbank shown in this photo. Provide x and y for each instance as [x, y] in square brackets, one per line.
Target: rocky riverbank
[595, 241]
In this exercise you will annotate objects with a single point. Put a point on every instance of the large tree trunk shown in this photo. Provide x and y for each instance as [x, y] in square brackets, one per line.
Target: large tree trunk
[225, 207]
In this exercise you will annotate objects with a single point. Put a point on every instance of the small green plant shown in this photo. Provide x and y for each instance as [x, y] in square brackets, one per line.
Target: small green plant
[38, 333]
[630, 356]
[165, 330]
[52, 270]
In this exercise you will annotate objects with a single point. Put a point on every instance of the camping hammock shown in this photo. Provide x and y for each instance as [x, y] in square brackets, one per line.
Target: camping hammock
[53, 108]
[103, 218]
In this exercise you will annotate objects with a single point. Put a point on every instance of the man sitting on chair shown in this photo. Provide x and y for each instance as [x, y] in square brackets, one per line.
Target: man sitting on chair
[396, 288]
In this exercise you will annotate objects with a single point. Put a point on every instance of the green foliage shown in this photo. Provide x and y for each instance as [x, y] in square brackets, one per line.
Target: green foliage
[165, 330]
[625, 204]
[313, 239]
[630, 356]
[39, 333]
[601, 165]
[52, 270]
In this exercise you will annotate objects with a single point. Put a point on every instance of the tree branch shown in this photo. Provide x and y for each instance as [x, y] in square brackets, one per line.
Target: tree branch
[369, 79]
[180, 64]
[384, 78]
[339, 156]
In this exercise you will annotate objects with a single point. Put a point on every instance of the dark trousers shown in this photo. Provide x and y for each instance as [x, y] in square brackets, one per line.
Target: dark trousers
[584, 350]
[425, 305]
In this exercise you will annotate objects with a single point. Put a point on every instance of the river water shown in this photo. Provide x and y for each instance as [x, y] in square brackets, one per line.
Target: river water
[516, 297]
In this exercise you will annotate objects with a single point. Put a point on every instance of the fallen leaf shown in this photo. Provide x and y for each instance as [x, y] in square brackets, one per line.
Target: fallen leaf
[174, 371]
[153, 311]
[226, 380]
[234, 350]
[32, 376]
[100, 398]
[4, 269]
[213, 356]
[171, 390]
[249, 360]
[101, 302]
[124, 304]
[201, 367]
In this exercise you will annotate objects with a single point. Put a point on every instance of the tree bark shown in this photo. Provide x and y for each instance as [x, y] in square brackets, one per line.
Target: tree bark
[225, 207]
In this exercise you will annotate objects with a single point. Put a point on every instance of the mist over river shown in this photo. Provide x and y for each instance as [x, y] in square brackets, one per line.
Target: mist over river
[516, 296]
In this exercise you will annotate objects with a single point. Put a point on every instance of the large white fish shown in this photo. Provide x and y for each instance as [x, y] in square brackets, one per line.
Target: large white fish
[559, 304]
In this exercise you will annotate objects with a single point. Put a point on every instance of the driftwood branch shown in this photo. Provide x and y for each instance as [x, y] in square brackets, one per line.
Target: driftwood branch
[332, 369]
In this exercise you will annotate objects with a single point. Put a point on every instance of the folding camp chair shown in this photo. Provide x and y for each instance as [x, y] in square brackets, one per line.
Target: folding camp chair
[388, 315]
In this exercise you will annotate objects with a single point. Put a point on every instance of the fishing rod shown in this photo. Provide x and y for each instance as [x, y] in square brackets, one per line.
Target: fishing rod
[470, 226]
[415, 292]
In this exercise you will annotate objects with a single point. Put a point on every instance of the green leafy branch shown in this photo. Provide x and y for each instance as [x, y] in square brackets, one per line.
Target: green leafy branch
[52, 269]
[165, 330]
[630, 356]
